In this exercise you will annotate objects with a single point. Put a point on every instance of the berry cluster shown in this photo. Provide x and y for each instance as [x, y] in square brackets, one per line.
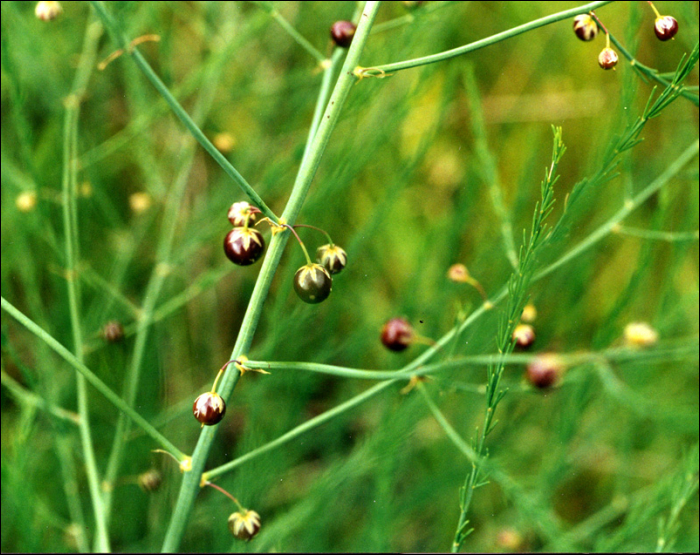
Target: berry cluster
[313, 281]
[586, 29]
[243, 246]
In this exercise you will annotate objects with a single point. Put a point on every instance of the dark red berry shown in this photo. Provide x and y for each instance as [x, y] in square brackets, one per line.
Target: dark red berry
[607, 59]
[523, 336]
[244, 246]
[332, 258]
[342, 33]
[585, 27]
[397, 334]
[209, 408]
[312, 283]
[544, 371]
[244, 525]
[239, 212]
[665, 27]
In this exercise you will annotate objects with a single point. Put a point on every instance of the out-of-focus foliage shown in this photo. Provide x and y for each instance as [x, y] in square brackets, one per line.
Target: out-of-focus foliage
[404, 188]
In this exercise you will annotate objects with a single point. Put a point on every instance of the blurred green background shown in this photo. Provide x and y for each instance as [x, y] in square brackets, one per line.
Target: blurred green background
[404, 188]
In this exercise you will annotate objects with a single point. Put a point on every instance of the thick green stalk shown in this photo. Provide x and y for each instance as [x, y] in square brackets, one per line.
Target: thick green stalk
[96, 382]
[493, 39]
[191, 481]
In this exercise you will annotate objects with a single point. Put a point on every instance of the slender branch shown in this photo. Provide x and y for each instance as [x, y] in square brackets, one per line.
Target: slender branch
[442, 56]
[305, 44]
[70, 225]
[180, 112]
[96, 382]
[650, 72]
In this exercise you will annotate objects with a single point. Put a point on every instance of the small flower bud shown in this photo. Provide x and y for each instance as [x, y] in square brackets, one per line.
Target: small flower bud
[342, 33]
[665, 27]
[640, 334]
[585, 27]
[244, 525]
[46, 11]
[607, 59]
[523, 336]
[150, 480]
[113, 331]
[544, 371]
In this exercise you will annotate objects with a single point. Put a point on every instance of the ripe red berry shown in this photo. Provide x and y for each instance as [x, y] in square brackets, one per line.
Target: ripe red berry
[342, 33]
[313, 283]
[332, 258]
[665, 27]
[397, 334]
[585, 27]
[238, 213]
[244, 246]
[209, 408]
[244, 525]
[544, 371]
[607, 59]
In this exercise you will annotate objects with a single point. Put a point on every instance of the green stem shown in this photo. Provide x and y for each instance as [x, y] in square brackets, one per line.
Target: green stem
[96, 382]
[610, 226]
[26, 397]
[669, 236]
[305, 44]
[70, 226]
[180, 112]
[650, 72]
[317, 229]
[191, 481]
[442, 56]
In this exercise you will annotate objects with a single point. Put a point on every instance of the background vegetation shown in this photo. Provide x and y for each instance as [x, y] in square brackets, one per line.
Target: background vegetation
[406, 186]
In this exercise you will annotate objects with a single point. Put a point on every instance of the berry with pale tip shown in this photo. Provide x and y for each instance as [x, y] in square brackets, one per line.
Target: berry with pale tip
[244, 246]
[332, 258]
[244, 524]
[523, 336]
[585, 27]
[397, 334]
[342, 33]
[544, 371]
[313, 283]
[240, 214]
[607, 59]
[665, 27]
[209, 408]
